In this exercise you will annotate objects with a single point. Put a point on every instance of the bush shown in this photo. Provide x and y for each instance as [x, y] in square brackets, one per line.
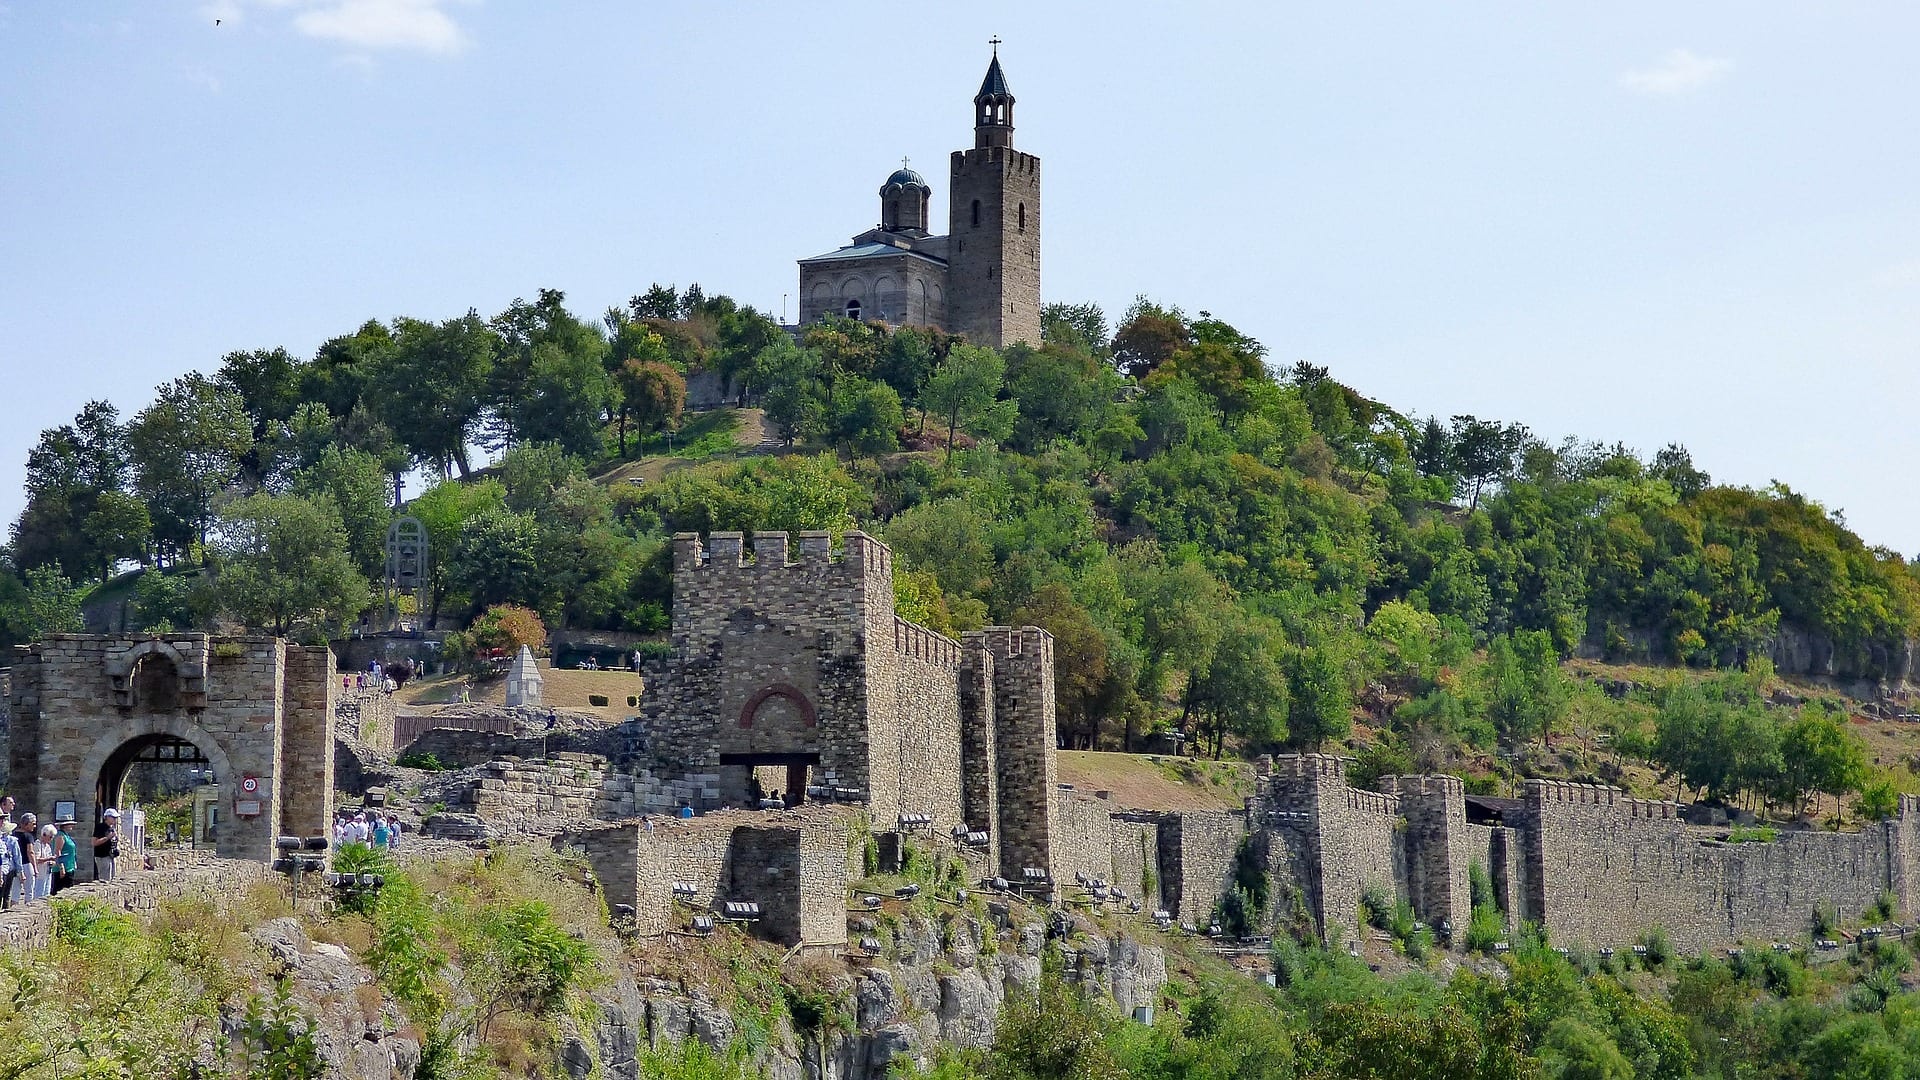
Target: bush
[1376, 907]
[1826, 920]
[1659, 949]
[1479, 885]
[1485, 928]
[1884, 908]
[598, 701]
[1752, 834]
[414, 759]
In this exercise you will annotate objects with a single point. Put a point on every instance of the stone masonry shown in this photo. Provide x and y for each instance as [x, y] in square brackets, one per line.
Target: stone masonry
[258, 709]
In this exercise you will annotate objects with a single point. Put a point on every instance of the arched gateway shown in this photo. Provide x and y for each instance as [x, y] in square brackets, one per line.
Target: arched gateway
[253, 712]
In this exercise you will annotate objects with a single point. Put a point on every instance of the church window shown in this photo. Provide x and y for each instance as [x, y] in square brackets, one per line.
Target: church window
[976, 213]
[853, 309]
[1023, 217]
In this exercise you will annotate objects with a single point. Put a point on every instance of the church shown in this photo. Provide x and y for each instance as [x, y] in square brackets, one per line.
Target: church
[982, 279]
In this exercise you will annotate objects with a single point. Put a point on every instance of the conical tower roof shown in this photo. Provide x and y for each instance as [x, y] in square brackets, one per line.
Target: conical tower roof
[995, 84]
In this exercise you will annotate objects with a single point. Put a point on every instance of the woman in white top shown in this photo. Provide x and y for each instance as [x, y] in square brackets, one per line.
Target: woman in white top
[42, 859]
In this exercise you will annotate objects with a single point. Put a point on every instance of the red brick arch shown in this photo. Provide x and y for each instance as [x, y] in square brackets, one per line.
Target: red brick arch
[782, 690]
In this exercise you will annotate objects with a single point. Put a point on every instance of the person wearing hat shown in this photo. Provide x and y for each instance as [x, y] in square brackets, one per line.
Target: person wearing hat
[12, 859]
[66, 857]
[106, 845]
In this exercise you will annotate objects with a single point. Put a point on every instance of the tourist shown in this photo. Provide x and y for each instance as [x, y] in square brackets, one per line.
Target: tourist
[686, 810]
[393, 832]
[23, 831]
[42, 858]
[379, 834]
[66, 855]
[106, 845]
[340, 834]
[10, 859]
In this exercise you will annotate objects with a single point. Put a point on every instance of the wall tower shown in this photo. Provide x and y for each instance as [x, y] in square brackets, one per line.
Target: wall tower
[993, 253]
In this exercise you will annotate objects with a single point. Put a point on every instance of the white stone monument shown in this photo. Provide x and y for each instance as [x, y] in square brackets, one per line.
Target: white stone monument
[523, 679]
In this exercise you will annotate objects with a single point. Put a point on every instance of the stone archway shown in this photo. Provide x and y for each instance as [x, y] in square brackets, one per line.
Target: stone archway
[114, 754]
[85, 708]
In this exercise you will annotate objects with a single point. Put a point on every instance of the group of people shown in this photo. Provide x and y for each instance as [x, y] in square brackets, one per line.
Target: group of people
[379, 676]
[37, 861]
[368, 827]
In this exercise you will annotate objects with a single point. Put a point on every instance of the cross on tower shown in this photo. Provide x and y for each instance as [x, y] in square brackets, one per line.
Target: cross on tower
[903, 162]
[995, 42]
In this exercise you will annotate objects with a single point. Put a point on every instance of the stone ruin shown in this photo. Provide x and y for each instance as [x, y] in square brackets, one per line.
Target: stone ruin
[808, 728]
[257, 711]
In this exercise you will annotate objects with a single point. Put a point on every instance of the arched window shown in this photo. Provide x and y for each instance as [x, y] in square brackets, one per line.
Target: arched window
[853, 309]
[1023, 217]
[976, 213]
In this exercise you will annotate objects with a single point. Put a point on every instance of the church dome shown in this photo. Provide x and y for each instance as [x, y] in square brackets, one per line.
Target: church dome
[904, 177]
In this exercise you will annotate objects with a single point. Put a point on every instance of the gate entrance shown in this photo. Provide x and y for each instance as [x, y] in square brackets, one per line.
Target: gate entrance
[754, 767]
[100, 721]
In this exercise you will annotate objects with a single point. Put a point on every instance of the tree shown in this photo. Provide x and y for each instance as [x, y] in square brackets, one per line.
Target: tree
[549, 380]
[356, 484]
[865, 415]
[116, 530]
[444, 510]
[1674, 464]
[1819, 756]
[1484, 450]
[1319, 702]
[268, 383]
[281, 565]
[1083, 684]
[1080, 328]
[964, 391]
[48, 604]
[432, 388]
[496, 560]
[1149, 334]
[786, 377]
[653, 394]
[70, 471]
[1244, 687]
[1433, 453]
[188, 447]
[1526, 694]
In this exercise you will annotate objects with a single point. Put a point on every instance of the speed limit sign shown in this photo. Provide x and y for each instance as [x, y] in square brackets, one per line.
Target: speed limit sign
[250, 784]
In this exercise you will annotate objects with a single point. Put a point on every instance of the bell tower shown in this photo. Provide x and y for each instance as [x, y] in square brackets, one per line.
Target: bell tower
[993, 226]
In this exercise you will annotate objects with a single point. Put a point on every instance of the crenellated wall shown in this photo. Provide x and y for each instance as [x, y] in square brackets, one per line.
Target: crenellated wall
[1605, 868]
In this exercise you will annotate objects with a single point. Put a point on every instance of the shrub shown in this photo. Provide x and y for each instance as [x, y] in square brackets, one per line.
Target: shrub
[358, 858]
[1376, 907]
[1752, 834]
[276, 1042]
[1479, 885]
[1485, 928]
[598, 701]
[414, 759]
[1826, 920]
[1659, 949]
[1883, 909]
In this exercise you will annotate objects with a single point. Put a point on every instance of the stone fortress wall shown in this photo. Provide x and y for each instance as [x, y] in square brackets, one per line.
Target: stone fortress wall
[792, 670]
[258, 710]
[789, 660]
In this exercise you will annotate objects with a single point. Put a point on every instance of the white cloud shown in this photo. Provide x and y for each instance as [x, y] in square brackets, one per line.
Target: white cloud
[421, 25]
[384, 24]
[1677, 72]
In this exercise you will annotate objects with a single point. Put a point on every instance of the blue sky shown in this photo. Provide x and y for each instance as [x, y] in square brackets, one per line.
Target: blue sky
[1647, 222]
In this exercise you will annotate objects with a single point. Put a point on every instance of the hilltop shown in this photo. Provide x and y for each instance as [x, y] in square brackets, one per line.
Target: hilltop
[1249, 558]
